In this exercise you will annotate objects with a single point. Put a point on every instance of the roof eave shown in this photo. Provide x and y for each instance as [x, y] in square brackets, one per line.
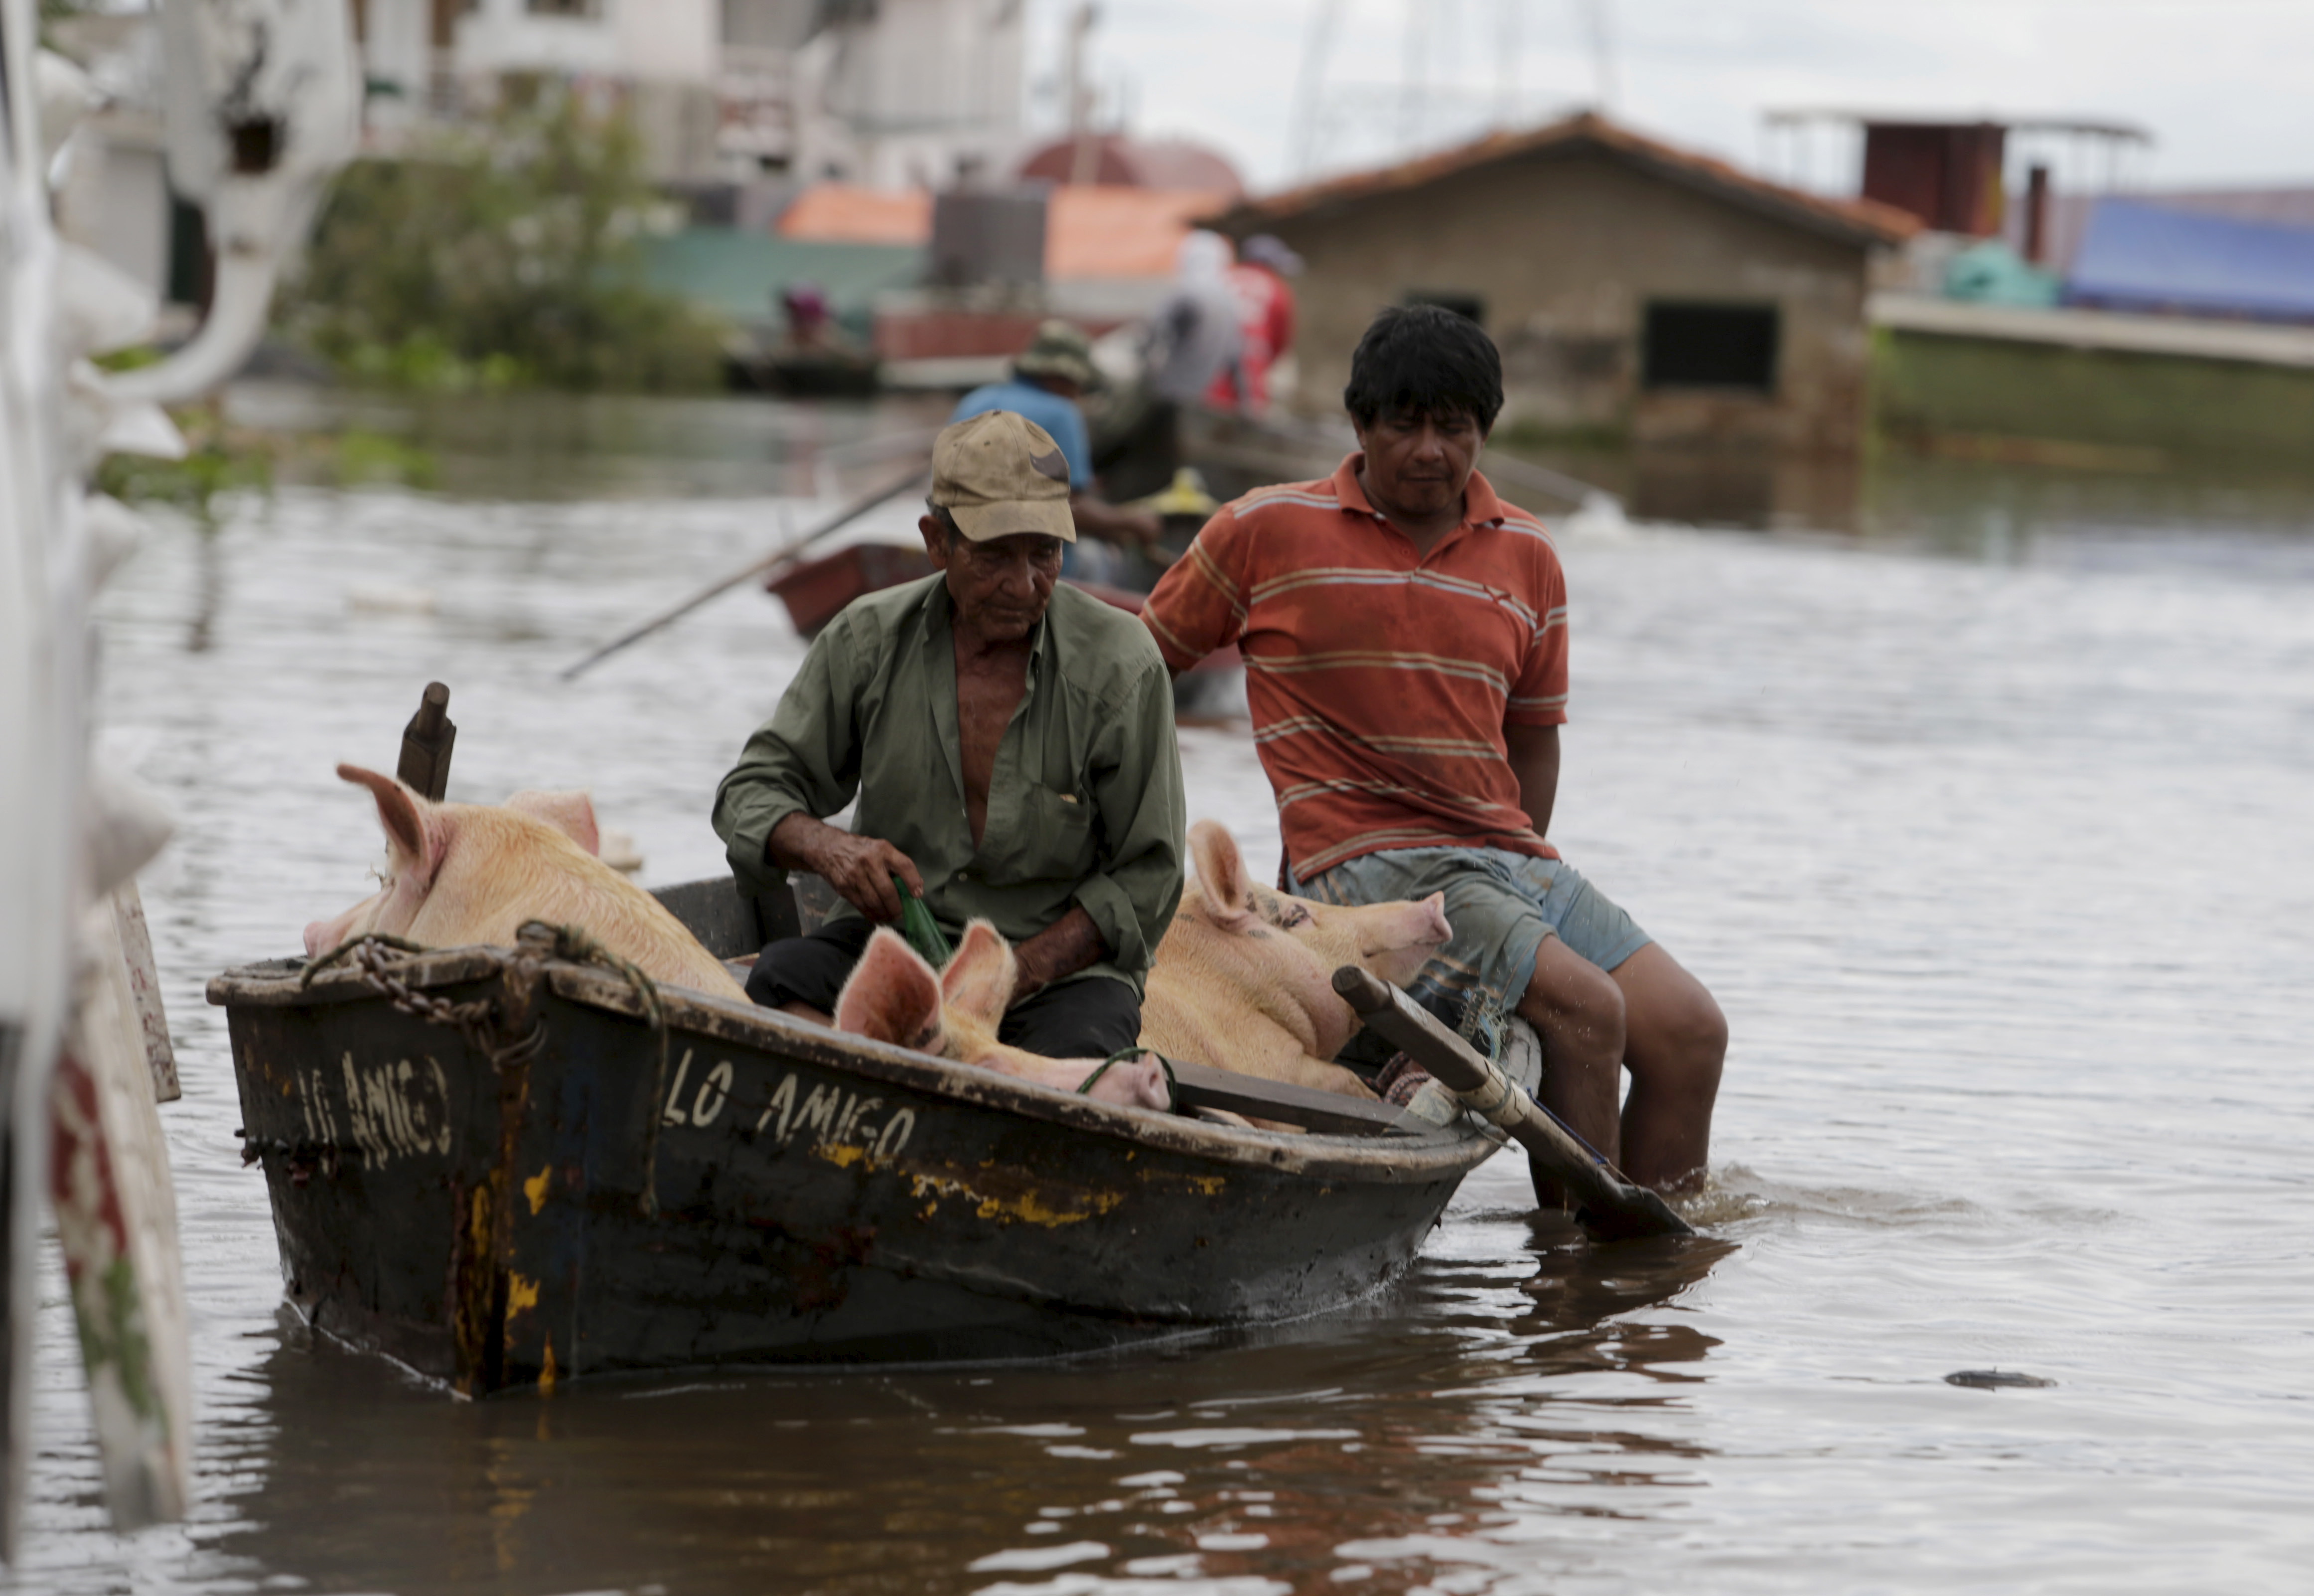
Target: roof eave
[1868, 232]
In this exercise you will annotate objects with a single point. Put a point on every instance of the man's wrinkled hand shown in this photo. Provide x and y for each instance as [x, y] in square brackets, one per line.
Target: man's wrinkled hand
[860, 871]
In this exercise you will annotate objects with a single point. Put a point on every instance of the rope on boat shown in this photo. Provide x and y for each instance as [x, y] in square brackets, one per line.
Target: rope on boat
[481, 1022]
[344, 951]
[1172, 1086]
[478, 1021]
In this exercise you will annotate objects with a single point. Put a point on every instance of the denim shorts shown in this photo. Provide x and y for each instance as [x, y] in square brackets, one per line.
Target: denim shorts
[1501, 906]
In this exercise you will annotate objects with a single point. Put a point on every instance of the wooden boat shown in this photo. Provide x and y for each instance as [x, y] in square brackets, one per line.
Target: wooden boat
[493, 1164]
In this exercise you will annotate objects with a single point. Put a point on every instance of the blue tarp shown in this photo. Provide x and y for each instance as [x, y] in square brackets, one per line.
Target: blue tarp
[2136, 255]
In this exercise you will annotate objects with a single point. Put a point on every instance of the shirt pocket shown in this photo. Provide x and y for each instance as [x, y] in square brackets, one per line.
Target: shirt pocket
[1057, 840]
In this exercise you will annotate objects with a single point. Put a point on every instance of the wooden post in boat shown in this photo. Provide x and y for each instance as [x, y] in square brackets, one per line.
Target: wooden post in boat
[1608, 1206]
[425, 744]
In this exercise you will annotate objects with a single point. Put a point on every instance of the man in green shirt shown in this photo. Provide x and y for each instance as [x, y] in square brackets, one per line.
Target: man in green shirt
[1010, 742]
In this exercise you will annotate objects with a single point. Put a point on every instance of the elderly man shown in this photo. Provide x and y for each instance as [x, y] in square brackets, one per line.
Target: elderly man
[1405, 641]
[1010, 742]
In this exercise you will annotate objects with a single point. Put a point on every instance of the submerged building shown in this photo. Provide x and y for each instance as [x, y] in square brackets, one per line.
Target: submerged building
[1638, 291]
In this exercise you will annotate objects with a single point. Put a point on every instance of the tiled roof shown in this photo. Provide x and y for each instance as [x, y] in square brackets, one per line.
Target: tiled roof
[842, 213]
[1864, 221]
[1140, 164]
[1091, 230]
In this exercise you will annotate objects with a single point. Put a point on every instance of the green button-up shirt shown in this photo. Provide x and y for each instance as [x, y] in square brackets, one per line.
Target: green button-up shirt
[1084, 806]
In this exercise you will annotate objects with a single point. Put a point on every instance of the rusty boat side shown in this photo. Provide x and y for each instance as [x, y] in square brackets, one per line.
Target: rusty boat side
[483, 1163]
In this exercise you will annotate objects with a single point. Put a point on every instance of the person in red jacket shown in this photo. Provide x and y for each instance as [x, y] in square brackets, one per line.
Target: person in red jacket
[1265, 319]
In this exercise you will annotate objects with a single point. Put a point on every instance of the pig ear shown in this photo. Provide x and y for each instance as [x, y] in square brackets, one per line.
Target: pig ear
[570, 813]
[979, 979]
[892, 996]
[415, 835]
[1221, 871]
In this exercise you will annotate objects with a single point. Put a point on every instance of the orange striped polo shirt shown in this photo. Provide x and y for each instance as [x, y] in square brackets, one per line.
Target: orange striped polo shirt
[1379, 683]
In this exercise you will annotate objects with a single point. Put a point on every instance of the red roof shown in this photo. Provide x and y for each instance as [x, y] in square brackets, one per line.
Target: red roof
[1116, 160]
[1863, 221]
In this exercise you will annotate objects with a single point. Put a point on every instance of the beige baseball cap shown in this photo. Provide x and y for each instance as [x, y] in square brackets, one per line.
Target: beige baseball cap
[999, 473]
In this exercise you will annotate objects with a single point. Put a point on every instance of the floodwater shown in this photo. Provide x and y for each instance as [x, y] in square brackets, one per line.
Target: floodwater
[1988, 828]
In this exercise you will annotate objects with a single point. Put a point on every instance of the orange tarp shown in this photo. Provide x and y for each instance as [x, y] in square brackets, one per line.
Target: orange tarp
[1120, 233]
[840, 213]
[1090, 231]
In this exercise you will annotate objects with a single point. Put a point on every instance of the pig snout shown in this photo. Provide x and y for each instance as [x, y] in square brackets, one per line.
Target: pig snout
[1401, 937]
[1138, 1082]
[1433, 930]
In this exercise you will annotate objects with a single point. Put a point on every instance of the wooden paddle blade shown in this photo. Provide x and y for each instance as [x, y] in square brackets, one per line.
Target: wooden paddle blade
[1607, 1205]
[1638, 1212]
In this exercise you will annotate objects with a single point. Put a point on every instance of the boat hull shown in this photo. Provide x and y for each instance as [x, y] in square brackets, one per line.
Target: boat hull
[774, 1194]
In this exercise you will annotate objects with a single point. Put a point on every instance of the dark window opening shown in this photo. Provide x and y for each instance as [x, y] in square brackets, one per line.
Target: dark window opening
[1711, 346]
[1469, 306]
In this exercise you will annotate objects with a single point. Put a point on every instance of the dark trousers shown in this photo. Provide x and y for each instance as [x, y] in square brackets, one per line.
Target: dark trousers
[1091, 1017]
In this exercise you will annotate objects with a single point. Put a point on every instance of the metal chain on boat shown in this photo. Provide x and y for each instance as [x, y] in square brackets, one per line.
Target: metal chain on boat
[482, 1023]
[478, 1021]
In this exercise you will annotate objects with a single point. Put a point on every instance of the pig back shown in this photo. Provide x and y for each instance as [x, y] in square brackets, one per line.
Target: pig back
[500, 868]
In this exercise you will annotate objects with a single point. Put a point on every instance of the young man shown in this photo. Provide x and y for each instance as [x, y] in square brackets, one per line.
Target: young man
[1405, 640]
[1011, 746]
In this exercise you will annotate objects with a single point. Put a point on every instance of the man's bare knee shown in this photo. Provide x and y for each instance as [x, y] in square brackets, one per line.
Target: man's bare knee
[1696, 1033]
[1574, 1003]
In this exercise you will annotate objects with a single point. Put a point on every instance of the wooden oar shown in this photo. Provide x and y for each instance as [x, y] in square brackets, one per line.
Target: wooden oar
[1608, 1206]
[754, 568]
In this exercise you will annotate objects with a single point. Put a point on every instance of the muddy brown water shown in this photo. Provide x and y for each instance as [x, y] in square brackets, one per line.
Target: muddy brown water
[1993, 844]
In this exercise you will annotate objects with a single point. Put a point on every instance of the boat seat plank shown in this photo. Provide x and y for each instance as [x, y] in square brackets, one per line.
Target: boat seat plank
[1200, 1086]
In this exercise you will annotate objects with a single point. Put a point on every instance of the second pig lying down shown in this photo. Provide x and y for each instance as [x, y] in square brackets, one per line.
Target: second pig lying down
[893, 996]
[1244, 980]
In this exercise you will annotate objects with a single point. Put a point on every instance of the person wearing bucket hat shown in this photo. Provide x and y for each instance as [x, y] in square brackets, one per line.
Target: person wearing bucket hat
[1048, 377]
[1011, 744]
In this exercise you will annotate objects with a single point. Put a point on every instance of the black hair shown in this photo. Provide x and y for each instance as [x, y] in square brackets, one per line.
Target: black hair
[1427, 360]
[939, 513]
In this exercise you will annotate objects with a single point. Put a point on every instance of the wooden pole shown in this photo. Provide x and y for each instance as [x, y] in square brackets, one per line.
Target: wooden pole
[754, 568]
[425, 744]
[1608, 1206]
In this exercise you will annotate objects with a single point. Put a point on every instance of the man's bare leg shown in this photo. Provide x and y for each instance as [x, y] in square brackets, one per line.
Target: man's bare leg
[1578, 1009]
[1675, 1040]
[805, 1011]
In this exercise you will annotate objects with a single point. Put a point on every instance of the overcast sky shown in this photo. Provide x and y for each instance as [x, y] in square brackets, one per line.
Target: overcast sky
[2226, 87]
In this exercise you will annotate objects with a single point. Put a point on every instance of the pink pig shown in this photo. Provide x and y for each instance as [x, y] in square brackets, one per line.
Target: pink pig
[461, 874]
[1243, 980]
[893, 996]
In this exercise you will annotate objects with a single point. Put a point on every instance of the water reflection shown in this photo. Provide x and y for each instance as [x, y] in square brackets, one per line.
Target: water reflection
[1234, 1454]
[1898, 811]
[209, 586]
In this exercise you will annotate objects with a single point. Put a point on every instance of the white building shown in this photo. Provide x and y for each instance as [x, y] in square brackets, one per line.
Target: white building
[886, 92]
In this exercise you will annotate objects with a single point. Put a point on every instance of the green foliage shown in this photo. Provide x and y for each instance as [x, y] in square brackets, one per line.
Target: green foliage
[362, 456]
[214, 464]
[506, 256]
